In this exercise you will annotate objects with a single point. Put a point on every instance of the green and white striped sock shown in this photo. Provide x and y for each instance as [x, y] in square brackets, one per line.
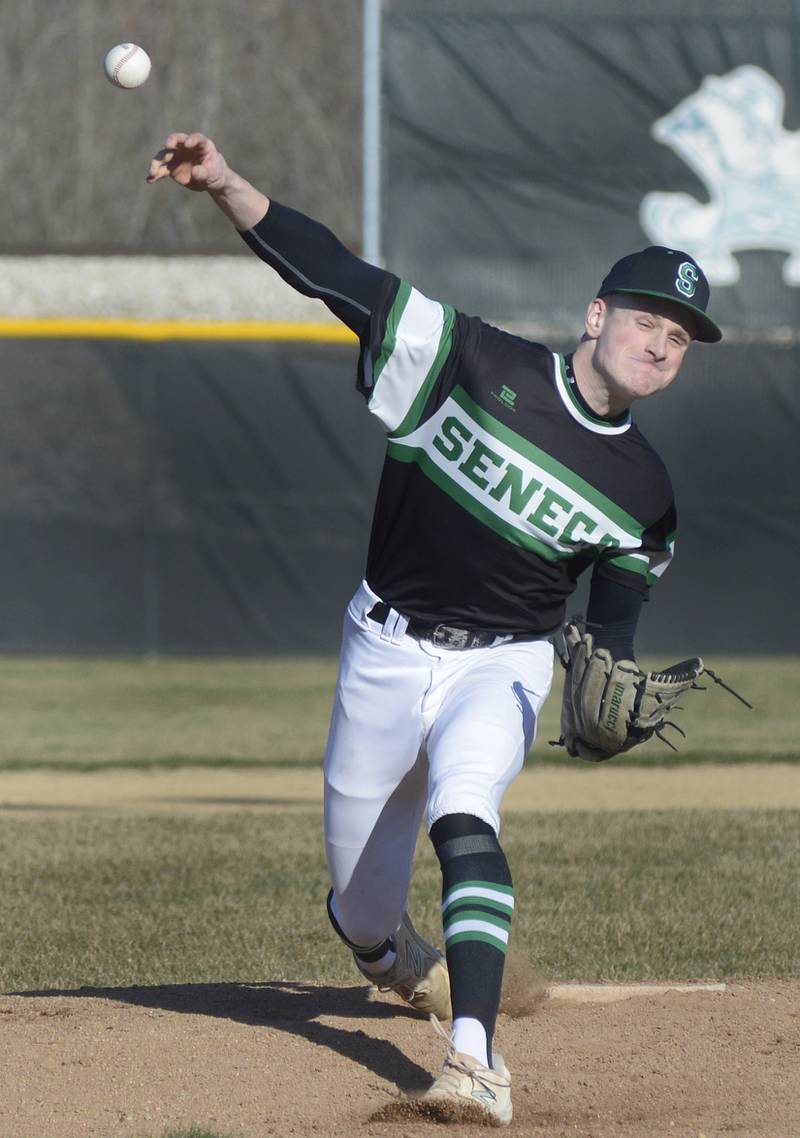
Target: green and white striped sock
[478, 911]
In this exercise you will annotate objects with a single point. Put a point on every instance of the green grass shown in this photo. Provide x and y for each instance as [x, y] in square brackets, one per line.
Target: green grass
[114, 902]
[84, 714]
[107, 901]
[193, 1132]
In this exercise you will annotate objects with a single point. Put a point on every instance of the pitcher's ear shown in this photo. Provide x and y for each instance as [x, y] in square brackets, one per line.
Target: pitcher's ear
[595, 317]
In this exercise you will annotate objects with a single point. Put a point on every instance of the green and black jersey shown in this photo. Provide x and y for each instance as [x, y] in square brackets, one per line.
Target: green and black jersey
[500, 486]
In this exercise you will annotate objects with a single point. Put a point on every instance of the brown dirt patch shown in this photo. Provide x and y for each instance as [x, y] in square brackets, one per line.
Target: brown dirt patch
[309, 1060]
[571, 787]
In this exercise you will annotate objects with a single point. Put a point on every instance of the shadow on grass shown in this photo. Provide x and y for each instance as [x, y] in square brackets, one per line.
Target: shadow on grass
[294, 1008]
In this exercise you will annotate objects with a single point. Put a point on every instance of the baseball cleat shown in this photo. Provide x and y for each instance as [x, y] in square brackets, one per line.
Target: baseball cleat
[419, 974]
[466, 1089]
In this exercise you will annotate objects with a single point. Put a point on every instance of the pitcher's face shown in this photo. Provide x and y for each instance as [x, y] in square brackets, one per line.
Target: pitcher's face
[640, 342]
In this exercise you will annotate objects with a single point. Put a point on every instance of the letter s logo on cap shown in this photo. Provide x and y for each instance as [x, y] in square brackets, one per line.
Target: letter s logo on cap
[686, 280]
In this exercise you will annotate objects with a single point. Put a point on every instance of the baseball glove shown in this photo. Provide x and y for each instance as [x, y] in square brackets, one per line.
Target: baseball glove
[610, 706]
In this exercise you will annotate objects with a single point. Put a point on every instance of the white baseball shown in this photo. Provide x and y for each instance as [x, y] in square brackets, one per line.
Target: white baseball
[127, 65]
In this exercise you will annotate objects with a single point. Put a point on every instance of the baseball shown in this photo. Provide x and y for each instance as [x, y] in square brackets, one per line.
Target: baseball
[127, 65]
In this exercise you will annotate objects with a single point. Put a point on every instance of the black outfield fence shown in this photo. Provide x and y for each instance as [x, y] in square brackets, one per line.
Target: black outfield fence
[206, 497]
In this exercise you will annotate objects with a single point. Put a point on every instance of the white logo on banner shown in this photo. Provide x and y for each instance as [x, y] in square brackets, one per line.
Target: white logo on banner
[730, 132]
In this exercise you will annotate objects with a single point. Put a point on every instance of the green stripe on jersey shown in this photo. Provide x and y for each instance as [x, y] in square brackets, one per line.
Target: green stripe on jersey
[535, 454]
[392, 324]
[640, 565]
[445, 345]
[473, 505]
[512, 486]
[651, 566]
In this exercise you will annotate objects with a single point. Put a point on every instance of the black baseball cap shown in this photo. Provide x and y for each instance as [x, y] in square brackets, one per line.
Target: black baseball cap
[670, 274]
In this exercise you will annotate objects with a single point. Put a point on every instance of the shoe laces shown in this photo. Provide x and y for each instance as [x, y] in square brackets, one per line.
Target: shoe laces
[488, 1077]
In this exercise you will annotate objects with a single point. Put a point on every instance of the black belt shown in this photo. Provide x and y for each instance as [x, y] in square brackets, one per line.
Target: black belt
[445, 635]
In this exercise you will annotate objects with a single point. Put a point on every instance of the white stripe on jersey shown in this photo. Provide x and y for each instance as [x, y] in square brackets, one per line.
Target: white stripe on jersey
[416, 346]
[553, 516]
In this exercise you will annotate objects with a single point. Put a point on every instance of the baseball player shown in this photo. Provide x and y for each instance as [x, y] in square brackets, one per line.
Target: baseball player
[510, 470]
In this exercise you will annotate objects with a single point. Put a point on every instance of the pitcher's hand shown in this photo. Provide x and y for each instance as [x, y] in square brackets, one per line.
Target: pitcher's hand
[191, 160]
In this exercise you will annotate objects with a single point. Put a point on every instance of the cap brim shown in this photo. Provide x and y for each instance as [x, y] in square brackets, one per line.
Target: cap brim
[707, 331]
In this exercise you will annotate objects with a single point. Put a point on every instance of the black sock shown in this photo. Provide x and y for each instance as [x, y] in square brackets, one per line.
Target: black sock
[476, 887]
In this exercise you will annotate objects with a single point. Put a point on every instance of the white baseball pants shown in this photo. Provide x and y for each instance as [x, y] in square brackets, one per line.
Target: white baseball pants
[413, 723]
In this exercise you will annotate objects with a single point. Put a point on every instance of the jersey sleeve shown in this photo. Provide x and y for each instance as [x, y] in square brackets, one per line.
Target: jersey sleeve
[642, 567]
[410, 340]
[406, 339]
[310, 258]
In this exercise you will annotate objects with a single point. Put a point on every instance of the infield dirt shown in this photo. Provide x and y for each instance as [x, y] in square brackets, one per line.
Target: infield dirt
[753, 786]
[286, 1058]
[282, 1057]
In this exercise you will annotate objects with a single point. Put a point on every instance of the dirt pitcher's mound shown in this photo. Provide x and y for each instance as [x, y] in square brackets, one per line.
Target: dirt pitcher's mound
[311, 1060]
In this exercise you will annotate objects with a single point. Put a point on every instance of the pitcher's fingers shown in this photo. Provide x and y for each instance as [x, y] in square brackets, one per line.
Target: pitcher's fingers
[159, 165]
[177, 138]
[190, 141]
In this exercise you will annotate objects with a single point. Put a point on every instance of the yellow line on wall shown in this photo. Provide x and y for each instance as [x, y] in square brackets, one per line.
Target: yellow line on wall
[99, 329]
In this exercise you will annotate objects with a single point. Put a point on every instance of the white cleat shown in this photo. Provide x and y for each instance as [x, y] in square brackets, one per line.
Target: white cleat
[467, 1089]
